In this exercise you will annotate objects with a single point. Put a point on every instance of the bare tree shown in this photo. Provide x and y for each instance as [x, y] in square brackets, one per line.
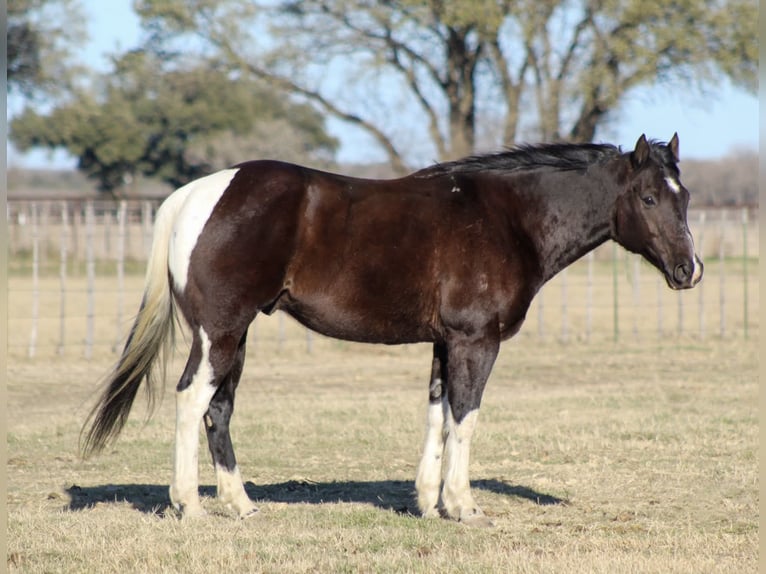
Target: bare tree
[559, 67]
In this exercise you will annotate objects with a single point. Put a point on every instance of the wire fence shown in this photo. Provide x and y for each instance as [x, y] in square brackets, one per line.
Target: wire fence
[76, 277]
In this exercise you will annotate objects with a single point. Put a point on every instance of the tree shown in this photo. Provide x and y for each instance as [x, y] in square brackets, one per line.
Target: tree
[164, 123]
[41, 37]
[469, 63]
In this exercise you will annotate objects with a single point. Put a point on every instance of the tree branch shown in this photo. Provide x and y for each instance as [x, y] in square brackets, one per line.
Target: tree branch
[433, 118]
[397, 162]
[511, 90]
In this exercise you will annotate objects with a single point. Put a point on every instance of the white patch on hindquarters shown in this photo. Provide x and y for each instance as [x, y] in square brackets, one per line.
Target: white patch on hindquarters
[202, 195]
[191, 405]
[674, 186]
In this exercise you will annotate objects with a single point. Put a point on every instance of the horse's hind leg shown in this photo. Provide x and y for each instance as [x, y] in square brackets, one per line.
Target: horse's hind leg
[429, 474]
[230, 488]
[209, 362]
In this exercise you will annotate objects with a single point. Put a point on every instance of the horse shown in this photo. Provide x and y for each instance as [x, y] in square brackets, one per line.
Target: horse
[450, 255]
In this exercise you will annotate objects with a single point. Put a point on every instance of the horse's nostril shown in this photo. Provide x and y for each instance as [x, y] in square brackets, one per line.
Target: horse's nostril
[682, 273]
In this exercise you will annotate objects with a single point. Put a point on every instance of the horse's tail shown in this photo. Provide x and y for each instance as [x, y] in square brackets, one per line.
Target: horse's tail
[148, 346]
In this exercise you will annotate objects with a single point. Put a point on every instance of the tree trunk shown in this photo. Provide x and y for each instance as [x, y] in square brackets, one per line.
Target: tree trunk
[460, 90]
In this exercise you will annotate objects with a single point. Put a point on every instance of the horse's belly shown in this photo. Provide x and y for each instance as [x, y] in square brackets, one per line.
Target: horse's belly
[383, 323]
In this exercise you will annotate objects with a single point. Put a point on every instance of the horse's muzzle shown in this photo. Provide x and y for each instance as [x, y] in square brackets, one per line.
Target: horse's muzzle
[687, 274]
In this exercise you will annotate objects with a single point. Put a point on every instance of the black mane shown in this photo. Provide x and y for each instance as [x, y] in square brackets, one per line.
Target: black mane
[557, 156]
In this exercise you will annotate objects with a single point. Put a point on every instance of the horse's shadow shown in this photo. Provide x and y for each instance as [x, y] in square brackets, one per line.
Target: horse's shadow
[396, 495]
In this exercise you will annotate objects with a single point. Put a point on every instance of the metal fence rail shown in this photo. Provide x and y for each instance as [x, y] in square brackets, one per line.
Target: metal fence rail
[76, 272]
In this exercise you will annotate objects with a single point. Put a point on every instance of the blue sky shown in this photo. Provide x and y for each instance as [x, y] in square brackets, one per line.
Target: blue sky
[709, 126]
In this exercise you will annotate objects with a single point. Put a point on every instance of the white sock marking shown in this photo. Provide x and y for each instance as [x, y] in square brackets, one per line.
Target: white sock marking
[202, 195]
[456, 493]
[430, 468]
[191, 404]
[231, 491]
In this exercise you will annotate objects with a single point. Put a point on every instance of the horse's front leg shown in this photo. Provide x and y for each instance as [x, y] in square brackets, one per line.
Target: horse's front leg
[469, 362]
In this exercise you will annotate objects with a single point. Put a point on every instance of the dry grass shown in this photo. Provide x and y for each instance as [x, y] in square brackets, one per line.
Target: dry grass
[589, 457]
[637, 457]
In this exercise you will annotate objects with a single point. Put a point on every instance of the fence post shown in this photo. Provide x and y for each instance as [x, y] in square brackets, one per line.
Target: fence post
[35, 278]
[12, 227]
[589, 298]
[281, 334]
[722, 277]
[636, 293]
[76, 224]
[701, 286]
[744, 271]
[146, 225]
[90, 266]
[42, 225]
[122, 210]
[253, 335]
[615, 297]
[564, 317]
[62, 275]
[660, 291]
[680, 300]
[129, 237]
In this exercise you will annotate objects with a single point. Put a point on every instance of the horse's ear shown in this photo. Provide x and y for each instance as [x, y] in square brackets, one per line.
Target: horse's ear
[641, 152]
[673, 145]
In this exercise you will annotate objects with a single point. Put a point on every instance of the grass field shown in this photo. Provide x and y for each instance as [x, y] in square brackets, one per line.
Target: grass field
[632, 457]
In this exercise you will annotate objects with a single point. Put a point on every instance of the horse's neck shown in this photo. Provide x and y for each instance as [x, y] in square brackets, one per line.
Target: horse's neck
[574, 217]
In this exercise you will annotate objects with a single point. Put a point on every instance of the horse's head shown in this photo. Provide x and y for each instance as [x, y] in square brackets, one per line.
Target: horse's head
[650, 216]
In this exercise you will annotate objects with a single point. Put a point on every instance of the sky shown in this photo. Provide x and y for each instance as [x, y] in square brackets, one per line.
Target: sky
[712, 126]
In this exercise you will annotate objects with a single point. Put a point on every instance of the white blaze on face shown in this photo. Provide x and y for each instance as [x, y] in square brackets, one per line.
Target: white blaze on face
[202, 195]
[674, 186]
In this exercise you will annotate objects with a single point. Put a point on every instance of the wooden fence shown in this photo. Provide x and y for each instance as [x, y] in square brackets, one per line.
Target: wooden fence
[76, 272]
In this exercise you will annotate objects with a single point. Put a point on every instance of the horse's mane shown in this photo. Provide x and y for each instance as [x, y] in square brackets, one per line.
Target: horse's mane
[556, 156]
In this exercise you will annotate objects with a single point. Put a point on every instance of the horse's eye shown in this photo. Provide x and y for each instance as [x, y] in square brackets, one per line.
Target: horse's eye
[649, 200]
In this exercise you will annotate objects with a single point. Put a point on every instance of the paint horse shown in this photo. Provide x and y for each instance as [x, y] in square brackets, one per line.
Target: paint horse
[451, 255]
